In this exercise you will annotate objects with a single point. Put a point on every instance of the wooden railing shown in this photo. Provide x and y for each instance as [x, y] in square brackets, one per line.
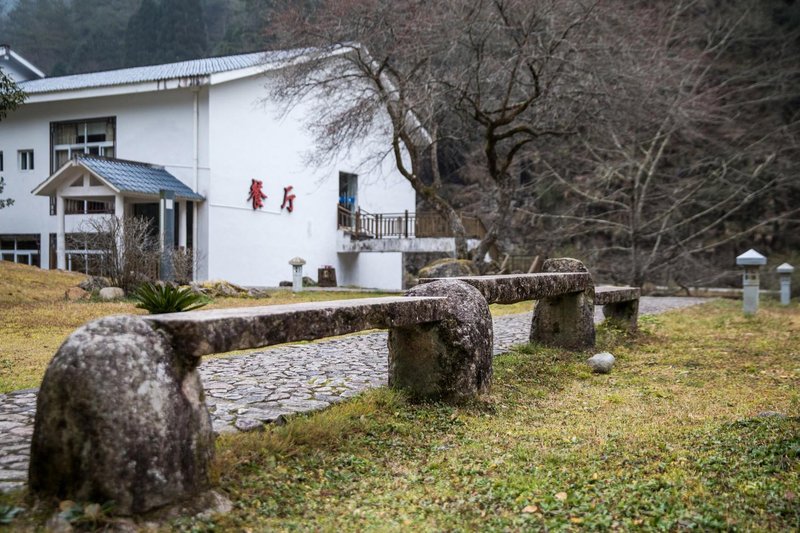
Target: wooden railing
[404, 225]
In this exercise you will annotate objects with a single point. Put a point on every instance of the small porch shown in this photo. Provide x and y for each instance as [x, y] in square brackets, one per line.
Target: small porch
[361, 231]
[89, 186]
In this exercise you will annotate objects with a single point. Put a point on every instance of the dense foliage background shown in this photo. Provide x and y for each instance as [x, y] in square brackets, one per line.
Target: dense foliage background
[662, 141]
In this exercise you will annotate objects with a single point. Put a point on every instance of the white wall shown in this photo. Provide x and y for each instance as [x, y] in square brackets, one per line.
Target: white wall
[240, 139]
[250, 140]
[154, 127]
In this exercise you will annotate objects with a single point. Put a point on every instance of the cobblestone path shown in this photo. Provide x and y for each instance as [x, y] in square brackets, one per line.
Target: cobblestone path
[243, 392]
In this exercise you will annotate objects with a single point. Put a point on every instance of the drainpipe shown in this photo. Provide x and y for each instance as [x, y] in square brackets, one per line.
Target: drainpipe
[195, 174]
[196, 133]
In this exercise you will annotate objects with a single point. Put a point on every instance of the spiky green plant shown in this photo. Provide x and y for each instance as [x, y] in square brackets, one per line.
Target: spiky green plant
[157, 299]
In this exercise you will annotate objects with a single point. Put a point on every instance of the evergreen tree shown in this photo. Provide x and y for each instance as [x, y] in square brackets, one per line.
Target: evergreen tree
[182, 31]
[142, 35]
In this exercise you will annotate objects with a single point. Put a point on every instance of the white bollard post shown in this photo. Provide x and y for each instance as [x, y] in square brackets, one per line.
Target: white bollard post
[297, 273]
[750, 260]
[785, 272]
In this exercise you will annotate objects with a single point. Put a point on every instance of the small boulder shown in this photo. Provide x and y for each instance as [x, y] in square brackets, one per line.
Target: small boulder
[308, 282]
[601, 363]
[771, 414]
[111, 293]
[285, 283]
[448, 268]
[94, 283]
[76, 293]
[258, 293]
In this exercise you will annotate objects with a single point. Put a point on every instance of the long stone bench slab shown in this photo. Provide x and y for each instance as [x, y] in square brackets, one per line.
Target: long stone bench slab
[620, 304]
[223, 330]
[513, 288]
[607, 294]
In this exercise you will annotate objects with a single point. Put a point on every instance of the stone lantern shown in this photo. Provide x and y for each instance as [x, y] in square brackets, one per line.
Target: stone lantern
[297, 273]
[750, 260]
[785, 272]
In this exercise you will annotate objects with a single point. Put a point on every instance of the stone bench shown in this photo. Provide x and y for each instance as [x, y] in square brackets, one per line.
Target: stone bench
[566, 295]
[121, 413]
[564, 314]
[620, 304]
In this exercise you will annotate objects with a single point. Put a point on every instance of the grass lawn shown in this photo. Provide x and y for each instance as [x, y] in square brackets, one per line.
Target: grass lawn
[670, 440]
[35, 318]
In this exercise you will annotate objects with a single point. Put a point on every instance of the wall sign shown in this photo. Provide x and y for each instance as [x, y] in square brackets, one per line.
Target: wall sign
[288, 198]
[257, 194]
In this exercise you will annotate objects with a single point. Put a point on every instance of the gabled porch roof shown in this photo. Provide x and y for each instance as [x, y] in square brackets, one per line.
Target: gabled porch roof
[121, 176]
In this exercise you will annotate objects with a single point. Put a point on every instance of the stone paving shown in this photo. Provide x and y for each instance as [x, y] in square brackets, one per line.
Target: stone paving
[246, 391]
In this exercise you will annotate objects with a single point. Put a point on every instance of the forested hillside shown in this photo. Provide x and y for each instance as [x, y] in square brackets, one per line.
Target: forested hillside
[654, 139]
[72, 36]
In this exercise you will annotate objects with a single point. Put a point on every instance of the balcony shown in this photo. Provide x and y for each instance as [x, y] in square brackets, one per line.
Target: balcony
[361, 231]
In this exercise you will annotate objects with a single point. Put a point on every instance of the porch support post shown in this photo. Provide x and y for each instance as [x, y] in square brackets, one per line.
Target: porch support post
[167, 232]
[61, 256]
[182, 206]
[119, 206]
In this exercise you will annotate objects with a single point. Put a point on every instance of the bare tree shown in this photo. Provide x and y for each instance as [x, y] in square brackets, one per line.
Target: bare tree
[126, 249]
[670, 170]
[488, 77]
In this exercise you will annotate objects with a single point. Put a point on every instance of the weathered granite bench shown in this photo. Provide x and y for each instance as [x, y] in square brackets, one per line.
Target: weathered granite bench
[121, 413]
[566, 295]
[620, 304]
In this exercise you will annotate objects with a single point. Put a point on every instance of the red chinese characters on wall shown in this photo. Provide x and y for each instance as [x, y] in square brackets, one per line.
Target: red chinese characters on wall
[257, 194]
[288, 198]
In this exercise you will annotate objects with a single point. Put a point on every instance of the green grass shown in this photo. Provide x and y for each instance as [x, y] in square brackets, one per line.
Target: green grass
[670, 440]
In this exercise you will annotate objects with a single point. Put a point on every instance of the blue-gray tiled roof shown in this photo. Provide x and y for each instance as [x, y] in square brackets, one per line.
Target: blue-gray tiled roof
[154, 73]
[134, 177]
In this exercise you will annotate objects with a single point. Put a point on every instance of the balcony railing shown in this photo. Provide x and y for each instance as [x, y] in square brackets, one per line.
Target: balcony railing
[365, 225]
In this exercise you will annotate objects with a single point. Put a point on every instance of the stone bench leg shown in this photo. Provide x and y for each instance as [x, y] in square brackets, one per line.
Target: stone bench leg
[565, 321]
[449, 360]
[624, 313]
[120, 416]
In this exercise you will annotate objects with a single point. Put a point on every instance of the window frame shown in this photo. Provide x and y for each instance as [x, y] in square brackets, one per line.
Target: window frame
[85, 146]
[26, 160]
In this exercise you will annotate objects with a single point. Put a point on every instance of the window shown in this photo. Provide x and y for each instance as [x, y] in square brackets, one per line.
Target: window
[20, 249]
[88, 207]
[26, 159]
[94, 136]
[1, 160]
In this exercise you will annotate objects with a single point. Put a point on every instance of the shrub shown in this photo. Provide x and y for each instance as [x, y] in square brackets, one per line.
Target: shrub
[157, 299]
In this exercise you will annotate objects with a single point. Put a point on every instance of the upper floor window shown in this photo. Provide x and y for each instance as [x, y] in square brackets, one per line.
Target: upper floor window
[26, 159]
[1, 160]
[95, 136]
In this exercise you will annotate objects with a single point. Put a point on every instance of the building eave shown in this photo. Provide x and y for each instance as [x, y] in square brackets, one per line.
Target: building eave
[49, 186]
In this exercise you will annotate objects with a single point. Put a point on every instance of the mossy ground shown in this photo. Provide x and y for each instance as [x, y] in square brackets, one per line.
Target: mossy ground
[670, 440]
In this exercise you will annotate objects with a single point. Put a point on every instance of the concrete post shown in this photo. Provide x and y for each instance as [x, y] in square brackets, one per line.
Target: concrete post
[785, 272]
[297, 273]
[750, 260]
[167, 233]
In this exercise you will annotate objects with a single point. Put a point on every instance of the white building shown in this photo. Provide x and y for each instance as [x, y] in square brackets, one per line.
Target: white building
[203, 130]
